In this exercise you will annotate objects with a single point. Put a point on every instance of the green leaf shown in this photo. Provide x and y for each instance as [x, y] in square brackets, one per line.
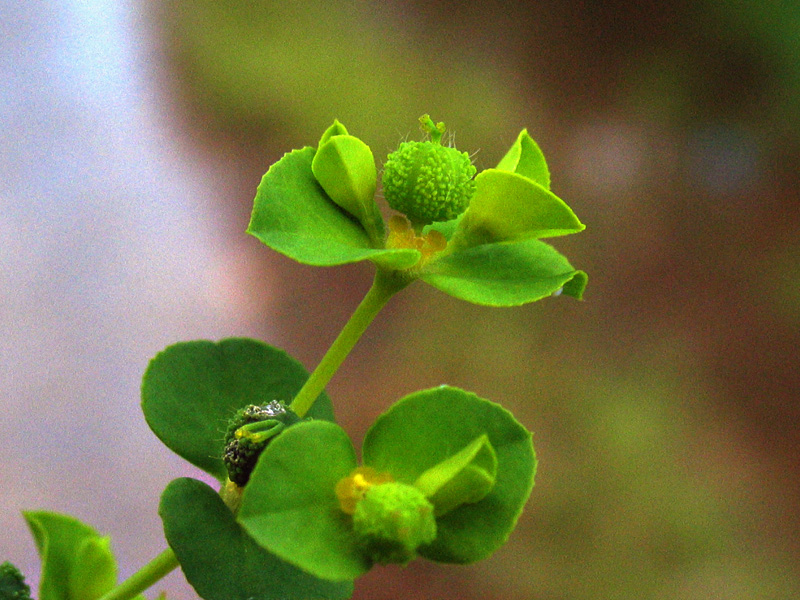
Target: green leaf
[426, 428]
[221, 561]
[508, 206]
[526, 158]
[290, 505]
[345, 168]
[505, 274]
[293, 215]
[463, 478]
[190, 390]
[77, 563]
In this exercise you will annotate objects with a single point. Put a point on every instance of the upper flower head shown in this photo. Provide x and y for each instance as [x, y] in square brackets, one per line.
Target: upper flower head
[427, 181]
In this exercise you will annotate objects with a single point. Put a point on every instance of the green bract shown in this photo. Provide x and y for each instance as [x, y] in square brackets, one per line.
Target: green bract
[425, 430]
[290, 506]
[221, 561]
[344, 167]
[469, 462]
[464, 478]
[293, 215]
[317, 207]
[526, 158]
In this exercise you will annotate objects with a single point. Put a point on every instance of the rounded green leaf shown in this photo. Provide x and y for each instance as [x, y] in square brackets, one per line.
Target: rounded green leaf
[508, 206]
[345, 168]
[506, 274]
[75, 558]
[526, 158]
[221, 561]
[190, 390]
[293, 215]
[290, 505]
[428, 427]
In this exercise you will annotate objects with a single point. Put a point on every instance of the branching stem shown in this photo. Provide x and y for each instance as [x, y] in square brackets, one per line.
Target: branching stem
[385, 285]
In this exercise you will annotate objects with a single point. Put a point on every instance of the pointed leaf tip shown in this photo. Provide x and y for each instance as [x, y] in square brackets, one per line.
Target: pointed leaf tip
[527, 159]
[463, 478]
[335, 129]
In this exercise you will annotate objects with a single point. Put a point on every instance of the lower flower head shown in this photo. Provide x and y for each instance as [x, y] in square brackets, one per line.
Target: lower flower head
[352, 488]
[392, 520]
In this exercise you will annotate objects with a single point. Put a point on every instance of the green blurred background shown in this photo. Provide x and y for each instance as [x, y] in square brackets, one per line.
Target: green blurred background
[665, 406]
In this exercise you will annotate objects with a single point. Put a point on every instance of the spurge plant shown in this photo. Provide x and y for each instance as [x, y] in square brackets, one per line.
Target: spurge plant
[443, 473]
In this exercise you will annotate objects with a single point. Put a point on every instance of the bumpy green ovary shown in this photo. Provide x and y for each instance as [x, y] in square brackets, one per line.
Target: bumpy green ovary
[428, 182]
[392, 520]
[12, 583]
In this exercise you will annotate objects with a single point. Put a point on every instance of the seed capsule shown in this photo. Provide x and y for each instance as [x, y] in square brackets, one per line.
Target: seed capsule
[427, 181]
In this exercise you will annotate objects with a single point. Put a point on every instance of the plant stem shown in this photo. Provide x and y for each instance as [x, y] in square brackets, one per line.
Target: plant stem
[385, 285]
[156, 569]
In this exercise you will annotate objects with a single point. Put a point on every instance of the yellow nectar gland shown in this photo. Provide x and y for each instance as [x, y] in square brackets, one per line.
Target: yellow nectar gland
[352, 488]
[402, 235]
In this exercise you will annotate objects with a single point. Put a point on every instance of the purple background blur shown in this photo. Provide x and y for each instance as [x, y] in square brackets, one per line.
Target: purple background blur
[664, 408]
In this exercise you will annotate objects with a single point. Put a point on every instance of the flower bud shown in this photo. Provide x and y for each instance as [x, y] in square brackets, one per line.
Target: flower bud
[427, 181]
[249, 432]
[392, 520]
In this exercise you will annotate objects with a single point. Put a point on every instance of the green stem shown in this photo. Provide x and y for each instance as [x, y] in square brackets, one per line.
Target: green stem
[385, 285]
[156, 569]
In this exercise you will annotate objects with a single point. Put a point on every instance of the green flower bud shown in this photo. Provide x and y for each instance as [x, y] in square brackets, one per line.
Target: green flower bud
[427, 181]
[392, 520]
[12, 583]
[249, 431]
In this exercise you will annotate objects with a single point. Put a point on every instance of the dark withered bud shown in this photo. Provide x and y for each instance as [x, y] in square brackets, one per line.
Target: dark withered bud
[249, 431]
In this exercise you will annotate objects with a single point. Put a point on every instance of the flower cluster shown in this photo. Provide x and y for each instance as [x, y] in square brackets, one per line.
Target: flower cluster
[475, 237]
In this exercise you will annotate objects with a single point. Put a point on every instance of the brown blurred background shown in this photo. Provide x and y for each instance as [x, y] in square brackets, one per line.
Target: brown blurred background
[664, 407]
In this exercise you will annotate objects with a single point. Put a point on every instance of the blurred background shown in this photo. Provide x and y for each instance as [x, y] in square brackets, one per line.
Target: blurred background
[664, 407]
